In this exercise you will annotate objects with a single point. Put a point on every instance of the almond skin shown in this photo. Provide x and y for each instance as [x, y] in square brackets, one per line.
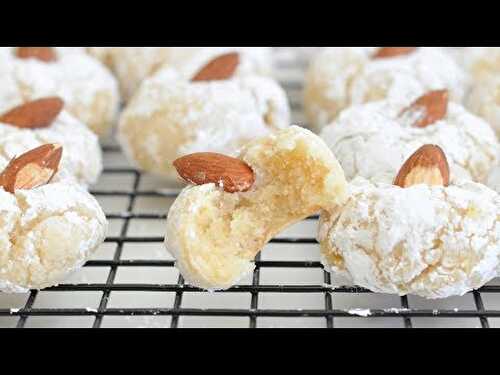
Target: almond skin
[428, 165]
[45, 54]
[35, 114]
[387, 52]
[232, 174]
[219, 69]
[32, 169]
[429, 108]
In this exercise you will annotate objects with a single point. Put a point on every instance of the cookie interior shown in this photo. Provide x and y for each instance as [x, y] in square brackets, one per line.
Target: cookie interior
[224, 232]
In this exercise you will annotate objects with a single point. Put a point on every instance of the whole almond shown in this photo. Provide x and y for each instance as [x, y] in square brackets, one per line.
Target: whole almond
[45, 54]
[428, 109]
[387, 52]
[428, 165]
[35, 114]
[32, 169]
[232, 174]
[220, 68]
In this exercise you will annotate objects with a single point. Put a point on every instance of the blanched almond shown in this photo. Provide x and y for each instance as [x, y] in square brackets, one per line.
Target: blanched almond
[232, 174]
[428, 165]
[220, 68]
[32, 169]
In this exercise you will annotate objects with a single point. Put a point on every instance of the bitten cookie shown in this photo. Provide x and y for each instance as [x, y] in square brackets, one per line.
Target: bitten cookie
[47, 230]
[424, 238]
[191, 109]
[374, 139]
[35, 123]
[215, 230]
[88, 88]
[134, 64]
[341, 77]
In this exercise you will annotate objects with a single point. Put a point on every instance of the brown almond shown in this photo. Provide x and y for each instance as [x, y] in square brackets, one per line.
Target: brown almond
[232, 174]
[428, 165]
[45, 54]
[220, 68]
[428, 109]
[32, 169]
[35, 114]
[387, 52]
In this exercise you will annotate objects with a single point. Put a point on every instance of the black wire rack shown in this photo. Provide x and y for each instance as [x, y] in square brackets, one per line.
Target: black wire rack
[329, 310]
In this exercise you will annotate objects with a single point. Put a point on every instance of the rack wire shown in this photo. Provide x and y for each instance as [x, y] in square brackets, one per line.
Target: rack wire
[315, 302]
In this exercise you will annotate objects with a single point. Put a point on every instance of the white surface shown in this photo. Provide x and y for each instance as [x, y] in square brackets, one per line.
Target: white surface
[195, 300]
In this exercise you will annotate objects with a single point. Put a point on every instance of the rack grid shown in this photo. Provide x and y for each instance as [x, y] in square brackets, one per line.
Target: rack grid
[289, 289]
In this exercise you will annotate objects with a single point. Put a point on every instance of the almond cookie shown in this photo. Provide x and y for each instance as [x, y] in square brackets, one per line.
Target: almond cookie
[88, 88]
[47, 230]
[215, 229]
[208, 108]
[341, 77]
[44, 121]
[134, 64]
[425, 238]
[373, 140]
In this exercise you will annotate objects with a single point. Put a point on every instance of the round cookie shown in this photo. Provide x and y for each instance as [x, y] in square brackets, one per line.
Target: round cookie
[433, 242]
[47, 230]
[82, 159]
[134, 64]
[171, 116]
[345, 76]
[88, 88]
[215, 230]
[374, 139]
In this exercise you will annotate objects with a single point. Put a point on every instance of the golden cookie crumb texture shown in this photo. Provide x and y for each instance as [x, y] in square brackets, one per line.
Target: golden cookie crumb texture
[214, 235]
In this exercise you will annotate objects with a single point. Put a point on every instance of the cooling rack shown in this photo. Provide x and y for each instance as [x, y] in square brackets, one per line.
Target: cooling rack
[132, 280]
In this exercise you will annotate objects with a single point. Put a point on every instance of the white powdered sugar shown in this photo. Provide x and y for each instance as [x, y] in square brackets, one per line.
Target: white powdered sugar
[82, 157]
[372, 141]
[434, 242]
[484, 100]
[360, 312]
[494, 178]
[45, 234]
